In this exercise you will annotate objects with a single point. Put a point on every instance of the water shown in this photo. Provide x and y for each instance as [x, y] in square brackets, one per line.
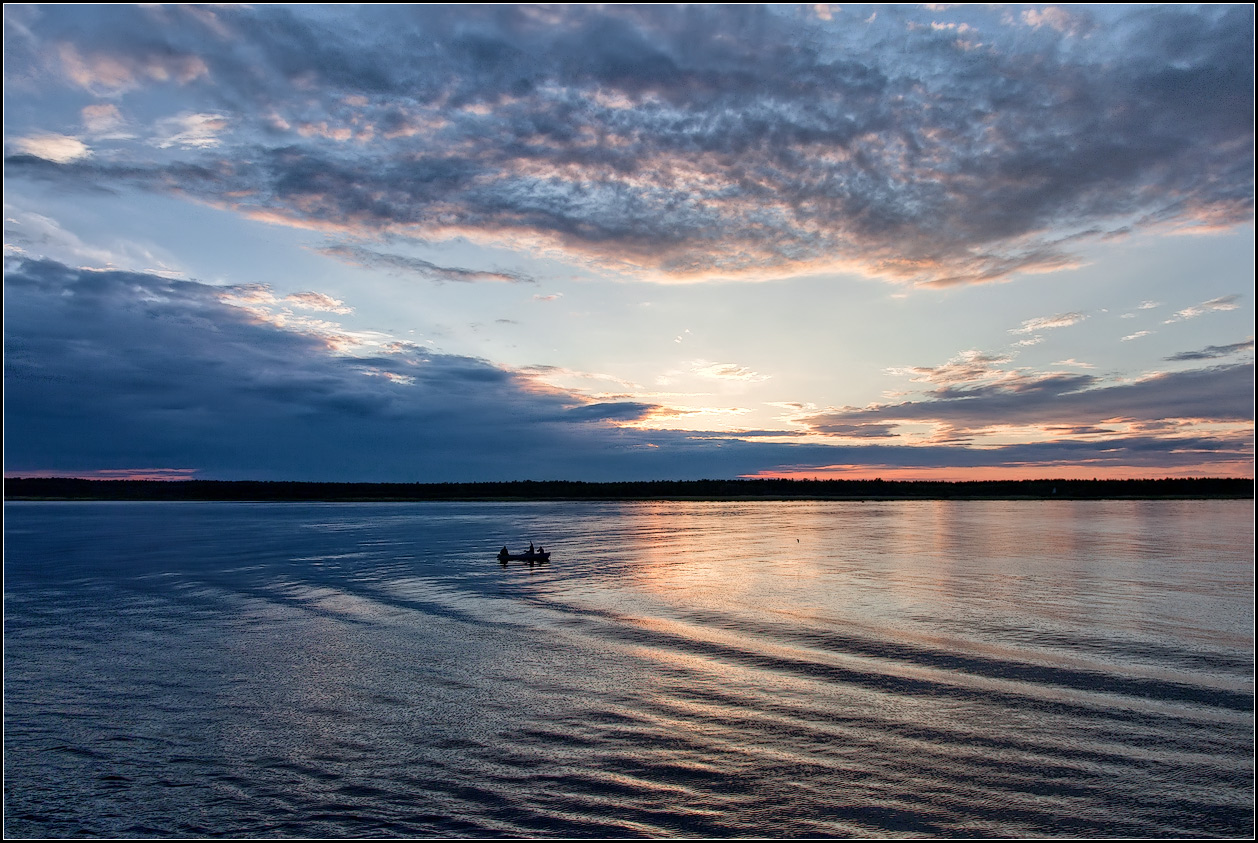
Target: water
[677, 669]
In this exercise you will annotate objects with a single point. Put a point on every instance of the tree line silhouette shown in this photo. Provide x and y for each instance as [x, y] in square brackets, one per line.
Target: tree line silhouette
[770, 488]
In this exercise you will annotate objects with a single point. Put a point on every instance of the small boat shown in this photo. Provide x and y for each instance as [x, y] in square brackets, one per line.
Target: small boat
[527, 556]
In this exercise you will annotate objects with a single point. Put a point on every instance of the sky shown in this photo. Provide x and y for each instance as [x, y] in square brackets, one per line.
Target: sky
[463, 243]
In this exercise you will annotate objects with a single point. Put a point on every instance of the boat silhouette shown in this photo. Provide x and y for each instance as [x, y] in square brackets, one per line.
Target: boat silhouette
[529, 555]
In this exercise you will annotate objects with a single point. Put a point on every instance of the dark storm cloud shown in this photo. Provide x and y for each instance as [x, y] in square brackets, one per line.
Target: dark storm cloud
[624, 411]
[1222, 394]
[947, 146]
[854, 431]
[106, 369]
[1213, 352]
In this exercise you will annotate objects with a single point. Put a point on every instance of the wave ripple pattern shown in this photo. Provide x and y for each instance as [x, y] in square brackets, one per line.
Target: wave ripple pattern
[837, 669]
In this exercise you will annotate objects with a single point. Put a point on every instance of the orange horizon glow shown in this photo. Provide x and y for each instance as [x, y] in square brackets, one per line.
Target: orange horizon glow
[163, 474]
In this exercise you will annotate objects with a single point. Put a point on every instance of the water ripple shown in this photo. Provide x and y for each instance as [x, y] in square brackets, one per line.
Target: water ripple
[677, 670]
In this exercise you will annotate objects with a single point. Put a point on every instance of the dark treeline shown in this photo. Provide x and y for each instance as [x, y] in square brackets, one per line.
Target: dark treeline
[249, 490]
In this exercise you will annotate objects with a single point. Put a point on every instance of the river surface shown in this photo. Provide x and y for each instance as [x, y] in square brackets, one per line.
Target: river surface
[867, 669]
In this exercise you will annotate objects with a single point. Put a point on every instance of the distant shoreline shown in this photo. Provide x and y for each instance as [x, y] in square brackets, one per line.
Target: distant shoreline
[54, 488]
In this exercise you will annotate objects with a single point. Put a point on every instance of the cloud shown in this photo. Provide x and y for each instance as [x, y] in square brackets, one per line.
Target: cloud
[877, 430]
[1078, 430]
[1220, 303]
[1059, 19]
[318, 301]
[104, 120]
[1137, 335]
[190, 131]
[726, 372]
[967, 367]
[110, 72]
[1222, 394]
[110, 369]
[59, 149]
[1213, 352]
[33, 235]
[362, 256]
[1061, 320]
[690, 142]
[620, 411]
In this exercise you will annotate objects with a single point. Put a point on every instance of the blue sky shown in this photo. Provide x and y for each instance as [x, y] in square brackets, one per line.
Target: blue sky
[442, 243]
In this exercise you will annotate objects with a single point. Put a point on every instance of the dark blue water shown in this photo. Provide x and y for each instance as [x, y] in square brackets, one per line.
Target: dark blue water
[677, 669]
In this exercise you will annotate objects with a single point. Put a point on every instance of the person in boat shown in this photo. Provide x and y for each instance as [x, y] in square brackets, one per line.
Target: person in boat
[503, 555]
[530, 548]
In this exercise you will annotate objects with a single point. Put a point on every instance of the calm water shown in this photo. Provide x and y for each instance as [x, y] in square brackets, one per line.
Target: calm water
[677, 669]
